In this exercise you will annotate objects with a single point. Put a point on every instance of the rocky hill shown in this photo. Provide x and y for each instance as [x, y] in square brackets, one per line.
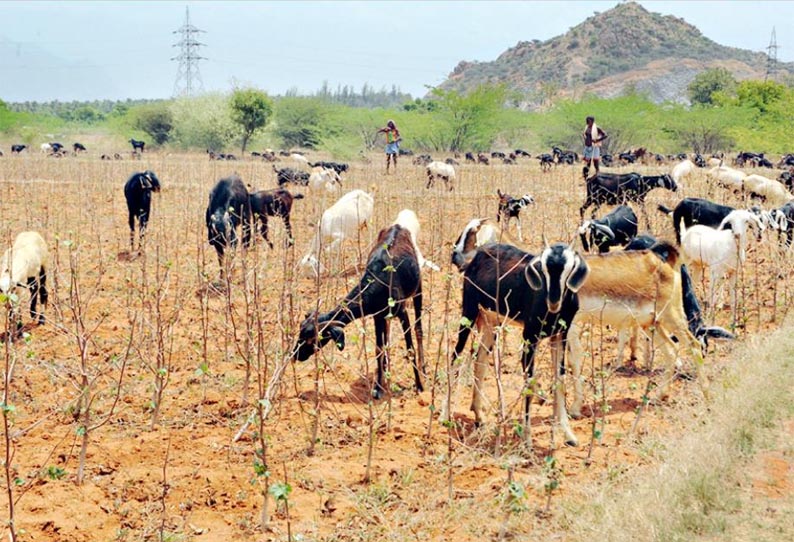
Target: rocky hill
[625, 46]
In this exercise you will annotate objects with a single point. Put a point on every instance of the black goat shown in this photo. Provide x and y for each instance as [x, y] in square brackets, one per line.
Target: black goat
[787, 178]
[137, 145]
[696, 211]
[277, 202]
[785, 217]
[521, 152]
[56, 147]
[229, 207]
[78, 147]
[564, 157]
[616, 229]
[607, 160]
[536, 292]
[698, 160]
[451, 162]
[16, 149]
[627, 157]
[785, 161]
[288, 175]
[138, 193]
[392, 276]
[616, 189]
[546, 161]
[498, 154]
[336, 166]
[643, 241]
[470, 157]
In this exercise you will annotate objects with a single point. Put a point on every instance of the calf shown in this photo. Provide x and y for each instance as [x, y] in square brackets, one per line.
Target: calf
[277, 202]
[138, 193]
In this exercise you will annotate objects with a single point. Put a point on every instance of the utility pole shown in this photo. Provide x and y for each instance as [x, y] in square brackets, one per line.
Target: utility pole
[188, 78]
[771, 56]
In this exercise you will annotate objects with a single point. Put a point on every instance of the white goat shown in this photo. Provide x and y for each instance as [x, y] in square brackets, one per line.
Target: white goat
[24, 266]
[322, 179]
[773, 191]
[443, 170]
[682, 170]
[722, 250]
[302, 160]
[727, 176]
[46, 148]
[340, 221]
[714, 161]
[408, 220]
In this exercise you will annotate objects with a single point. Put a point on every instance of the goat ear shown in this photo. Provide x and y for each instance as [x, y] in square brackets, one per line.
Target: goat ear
[532, 274]
[338, 336]
[579, 274]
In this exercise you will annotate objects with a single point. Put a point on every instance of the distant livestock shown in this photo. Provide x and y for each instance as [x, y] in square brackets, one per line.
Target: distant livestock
[24, 266]
[444, 171]
[137, 145]
[16, 149]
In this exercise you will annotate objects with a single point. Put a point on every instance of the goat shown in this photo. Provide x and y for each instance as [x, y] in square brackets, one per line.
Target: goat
[322, 179]
[451, 162]
[722, 250]
[770, 190]
[498, 154]
[690, 301]
[482, 159]
[616, 189]
[442, 170]
[629, 289]
[682, 170]
[341, 221]
[408, 220]
[422, 160]
[297, 157]
[138, 193]
[616, 229]
[564, 157]
[470, 157]
[16, 149]
[727, 177]
[510, 207]
[276, 202]
[520, 152]
[288, 175]
[392, 276]
[338, 167]
[78, 147]
[546, 161]
[46, 148]
[536, 292]
[24, 265]
[137, 145]
[229, 207]
[476, 234]
[690, 211]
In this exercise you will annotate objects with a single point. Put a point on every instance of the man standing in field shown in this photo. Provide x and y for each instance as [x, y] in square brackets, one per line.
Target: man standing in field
[592, 136]
[392, 143]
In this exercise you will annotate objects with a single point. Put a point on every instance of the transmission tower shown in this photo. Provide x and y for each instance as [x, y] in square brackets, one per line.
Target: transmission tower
[771, 56]
[188, 76]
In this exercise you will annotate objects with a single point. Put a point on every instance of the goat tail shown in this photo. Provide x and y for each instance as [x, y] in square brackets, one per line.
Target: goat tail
[665, 210]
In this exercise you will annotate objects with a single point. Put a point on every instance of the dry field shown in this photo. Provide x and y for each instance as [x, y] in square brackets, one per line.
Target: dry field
[194, 460]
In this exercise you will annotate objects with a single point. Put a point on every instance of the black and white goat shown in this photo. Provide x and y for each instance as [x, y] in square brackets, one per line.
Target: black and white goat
[510, 207]
[391, 278]
[277, 202]
[138, 193]
[614, 230]
[536, 292]
[229, 207]
[24, 266]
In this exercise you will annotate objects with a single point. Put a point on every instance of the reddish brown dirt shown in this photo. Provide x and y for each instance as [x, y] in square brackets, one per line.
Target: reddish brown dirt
[187, 478]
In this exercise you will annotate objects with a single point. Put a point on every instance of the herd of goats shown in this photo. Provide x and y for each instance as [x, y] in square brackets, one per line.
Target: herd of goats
[638, 286]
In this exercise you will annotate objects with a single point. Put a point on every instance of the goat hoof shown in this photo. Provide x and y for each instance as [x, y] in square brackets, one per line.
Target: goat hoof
[572, 442]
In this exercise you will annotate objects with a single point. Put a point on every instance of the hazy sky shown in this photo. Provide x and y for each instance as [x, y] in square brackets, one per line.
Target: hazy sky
[91, 50]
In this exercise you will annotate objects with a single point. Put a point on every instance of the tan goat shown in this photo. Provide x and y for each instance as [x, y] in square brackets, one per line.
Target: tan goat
[628, 289]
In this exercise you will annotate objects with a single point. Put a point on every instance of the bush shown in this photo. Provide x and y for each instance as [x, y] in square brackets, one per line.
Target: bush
[301, 122]
[155, 120]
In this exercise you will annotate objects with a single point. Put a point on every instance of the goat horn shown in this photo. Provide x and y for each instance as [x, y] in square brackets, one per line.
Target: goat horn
[545, 241]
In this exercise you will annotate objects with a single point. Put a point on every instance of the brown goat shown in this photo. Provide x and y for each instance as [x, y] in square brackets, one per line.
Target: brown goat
[277, 202]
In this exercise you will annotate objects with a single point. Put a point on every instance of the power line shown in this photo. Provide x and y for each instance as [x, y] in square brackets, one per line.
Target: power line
[188, 77]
